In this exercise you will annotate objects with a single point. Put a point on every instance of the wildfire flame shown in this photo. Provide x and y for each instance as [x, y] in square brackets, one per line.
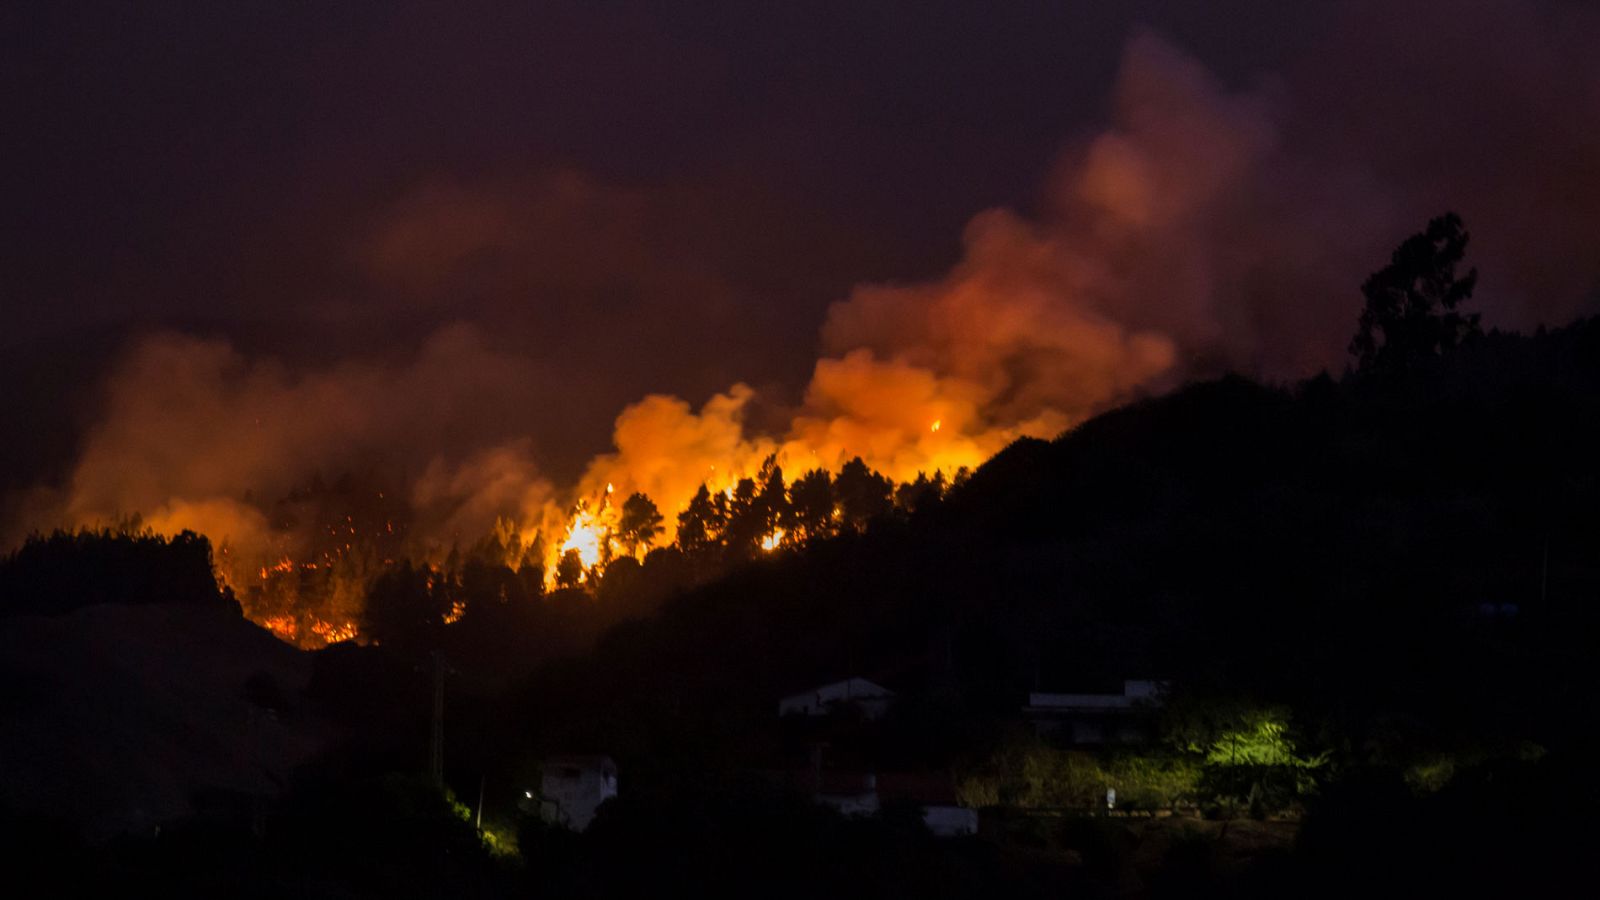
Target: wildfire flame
[586, 535]
[285, 627]
[334, 634]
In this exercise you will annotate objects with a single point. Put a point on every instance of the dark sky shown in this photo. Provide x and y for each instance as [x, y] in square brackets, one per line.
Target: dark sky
[643, 197]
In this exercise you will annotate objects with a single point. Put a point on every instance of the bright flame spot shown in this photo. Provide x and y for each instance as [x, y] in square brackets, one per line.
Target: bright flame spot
[332, 633]
[584, 535]
[936, 424]
[285, 627]
[282, 565]
[608, 487]
[772, 541]
[458, 608]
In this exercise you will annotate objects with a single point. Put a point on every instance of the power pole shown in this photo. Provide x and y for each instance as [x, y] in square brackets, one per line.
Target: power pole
[1544, 576]
[436, 742]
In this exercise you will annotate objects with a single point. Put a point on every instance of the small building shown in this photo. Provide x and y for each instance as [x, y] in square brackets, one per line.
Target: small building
[865, 794]
[873, 700]
[1097, 718]
[850, 793]
[571, 789]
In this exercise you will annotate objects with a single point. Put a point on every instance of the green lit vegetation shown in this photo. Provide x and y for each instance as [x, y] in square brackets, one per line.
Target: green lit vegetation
[1246, 762]
[1028, 772]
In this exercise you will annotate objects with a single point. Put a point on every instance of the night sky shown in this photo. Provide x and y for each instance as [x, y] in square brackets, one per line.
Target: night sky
[603, 200]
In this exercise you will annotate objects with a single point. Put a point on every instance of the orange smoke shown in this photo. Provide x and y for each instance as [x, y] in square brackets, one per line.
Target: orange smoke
[1132, 273]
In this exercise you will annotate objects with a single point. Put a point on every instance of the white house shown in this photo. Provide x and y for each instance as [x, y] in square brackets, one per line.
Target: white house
[864, 794]
[1097, 718]
[571, 788]
[851, 793]
[872, 699]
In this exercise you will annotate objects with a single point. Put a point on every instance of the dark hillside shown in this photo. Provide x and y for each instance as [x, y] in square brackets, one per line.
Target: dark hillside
[1414, 549]
[121, 718]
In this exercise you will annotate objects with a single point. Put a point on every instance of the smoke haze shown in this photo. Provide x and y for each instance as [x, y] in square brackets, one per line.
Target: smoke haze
[1209, 222]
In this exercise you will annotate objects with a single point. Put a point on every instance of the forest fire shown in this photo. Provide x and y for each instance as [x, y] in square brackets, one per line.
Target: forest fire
[568, 449]
[287, 628]
[873, 437]
[333, 634]
[1025, 336]
[915, 383]
[314, 588]
[586, 537]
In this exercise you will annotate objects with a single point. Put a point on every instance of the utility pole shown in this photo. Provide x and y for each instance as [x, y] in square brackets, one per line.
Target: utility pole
[436, 742]
[1544, 576]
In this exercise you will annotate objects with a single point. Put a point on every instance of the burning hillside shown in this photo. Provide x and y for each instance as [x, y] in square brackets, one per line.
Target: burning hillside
[1143, 266]
[1034, 329]
[335, 542]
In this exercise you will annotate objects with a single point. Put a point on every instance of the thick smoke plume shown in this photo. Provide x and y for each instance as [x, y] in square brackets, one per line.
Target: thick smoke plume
[197, 436]
[1198, 232]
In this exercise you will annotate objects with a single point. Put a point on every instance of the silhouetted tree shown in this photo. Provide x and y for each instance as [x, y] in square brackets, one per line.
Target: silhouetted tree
[405, 607]
[1410, 313]
[746, 521]
[569, 570]
[501, 546]
[483, 583]
[772, 500]
[666, 572]
[722, 511]
[863, 494]
[810, 507]
[639, 523]
[920, 494]
[531, 576]
[698, 527]
[530, 571]
[621, 586]
[67, 570]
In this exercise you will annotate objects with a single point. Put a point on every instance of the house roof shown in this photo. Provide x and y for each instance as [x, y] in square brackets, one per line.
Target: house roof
[852, 688]
[1134, 693]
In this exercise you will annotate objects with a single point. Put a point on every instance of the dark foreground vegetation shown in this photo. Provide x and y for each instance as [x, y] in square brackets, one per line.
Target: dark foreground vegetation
[1374, 598]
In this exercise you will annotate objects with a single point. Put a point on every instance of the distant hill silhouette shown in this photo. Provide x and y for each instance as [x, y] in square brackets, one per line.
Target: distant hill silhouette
[67, 570]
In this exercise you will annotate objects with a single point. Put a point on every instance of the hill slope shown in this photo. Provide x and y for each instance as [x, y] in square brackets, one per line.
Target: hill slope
[1371, 553]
